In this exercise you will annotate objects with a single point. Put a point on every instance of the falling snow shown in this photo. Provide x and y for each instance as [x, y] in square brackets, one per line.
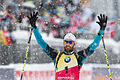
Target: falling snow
[55, 19]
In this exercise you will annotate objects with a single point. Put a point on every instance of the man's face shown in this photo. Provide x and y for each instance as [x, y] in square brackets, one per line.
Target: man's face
[68, 45]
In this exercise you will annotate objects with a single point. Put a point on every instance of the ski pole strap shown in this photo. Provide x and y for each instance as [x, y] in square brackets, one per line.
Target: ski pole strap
[100, 35]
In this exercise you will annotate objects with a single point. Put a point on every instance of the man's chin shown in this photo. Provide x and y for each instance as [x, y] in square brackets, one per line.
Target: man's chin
[68, 49]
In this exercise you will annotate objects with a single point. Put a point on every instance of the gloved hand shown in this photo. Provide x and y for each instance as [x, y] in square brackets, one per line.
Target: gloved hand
[102, 21]
[32, 18]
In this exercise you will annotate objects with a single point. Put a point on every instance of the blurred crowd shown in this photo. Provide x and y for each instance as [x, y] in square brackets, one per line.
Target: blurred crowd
[55, 16]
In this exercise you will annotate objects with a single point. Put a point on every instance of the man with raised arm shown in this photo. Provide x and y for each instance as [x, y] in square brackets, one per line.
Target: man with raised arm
[68, 62]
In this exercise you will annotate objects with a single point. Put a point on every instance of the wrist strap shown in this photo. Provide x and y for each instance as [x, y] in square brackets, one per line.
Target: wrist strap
[100, 34]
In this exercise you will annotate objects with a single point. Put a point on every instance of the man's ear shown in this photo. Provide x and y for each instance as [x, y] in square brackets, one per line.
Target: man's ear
[63, 43]
[75, 42]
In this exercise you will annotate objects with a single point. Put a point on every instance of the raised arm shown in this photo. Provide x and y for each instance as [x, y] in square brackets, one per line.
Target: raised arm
[102, 22]
[50, 51]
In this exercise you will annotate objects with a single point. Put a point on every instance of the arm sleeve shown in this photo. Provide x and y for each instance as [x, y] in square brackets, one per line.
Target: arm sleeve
[88, 51]
[95, 43]
[50, 51]
[39, 39]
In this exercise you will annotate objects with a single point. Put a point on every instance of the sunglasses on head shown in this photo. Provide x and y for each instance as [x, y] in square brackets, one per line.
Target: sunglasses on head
[70, 42]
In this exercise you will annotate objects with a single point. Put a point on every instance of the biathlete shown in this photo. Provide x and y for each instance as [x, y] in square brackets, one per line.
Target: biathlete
[68, 63]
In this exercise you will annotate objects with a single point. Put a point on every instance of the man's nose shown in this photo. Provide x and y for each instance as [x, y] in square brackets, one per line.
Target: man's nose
[68, 43]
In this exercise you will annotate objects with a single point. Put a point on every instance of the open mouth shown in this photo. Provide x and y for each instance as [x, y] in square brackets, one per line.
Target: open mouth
[68, 47]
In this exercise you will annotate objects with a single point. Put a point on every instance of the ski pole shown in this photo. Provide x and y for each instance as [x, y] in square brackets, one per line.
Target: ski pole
[106, 57]
[28, 45]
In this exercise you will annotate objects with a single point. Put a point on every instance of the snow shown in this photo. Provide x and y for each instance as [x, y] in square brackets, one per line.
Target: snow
[22, 34]
[47, 67]
[34, 67]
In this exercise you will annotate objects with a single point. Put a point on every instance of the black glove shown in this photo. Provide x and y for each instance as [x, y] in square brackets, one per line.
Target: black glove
[32, 18]
[102, 21]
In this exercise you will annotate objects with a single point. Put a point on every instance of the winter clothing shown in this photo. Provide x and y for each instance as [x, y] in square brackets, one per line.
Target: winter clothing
[68, 64]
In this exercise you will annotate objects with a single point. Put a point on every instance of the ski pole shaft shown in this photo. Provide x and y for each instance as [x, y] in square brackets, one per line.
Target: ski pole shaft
[106, 57]
[28, 45]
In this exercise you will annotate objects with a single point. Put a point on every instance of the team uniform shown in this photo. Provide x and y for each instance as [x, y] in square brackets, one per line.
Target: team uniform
[68, 65]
